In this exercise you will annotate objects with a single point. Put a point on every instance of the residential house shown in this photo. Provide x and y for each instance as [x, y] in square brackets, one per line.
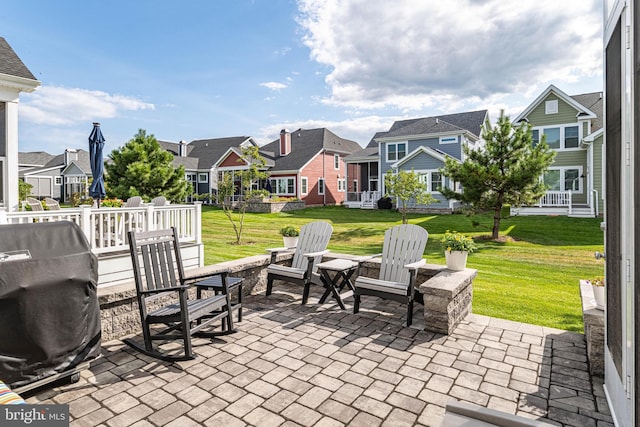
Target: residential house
[572, 127]
[309, 165]
[55, 176]
[622, 210]
[15, 77]
[203, 159]
[421, 145]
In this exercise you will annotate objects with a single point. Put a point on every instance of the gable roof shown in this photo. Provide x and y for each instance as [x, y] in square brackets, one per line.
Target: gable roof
[468, 122]
[433, 152]
[13, 72]
[209, 151]
[594, 102]
[40, 160]
[306, 144]
[583, 110]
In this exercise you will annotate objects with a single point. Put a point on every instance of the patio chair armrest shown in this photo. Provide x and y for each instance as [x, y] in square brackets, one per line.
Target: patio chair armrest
[315, 254]
[272, 250]
[203, 275]
[159, 291]
[416, 265]
[364, 258]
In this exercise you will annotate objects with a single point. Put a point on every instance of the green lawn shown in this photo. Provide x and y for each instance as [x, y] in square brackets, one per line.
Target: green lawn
[532, 279]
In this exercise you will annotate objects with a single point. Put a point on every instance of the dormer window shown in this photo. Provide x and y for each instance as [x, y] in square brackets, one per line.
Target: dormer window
[551, 107]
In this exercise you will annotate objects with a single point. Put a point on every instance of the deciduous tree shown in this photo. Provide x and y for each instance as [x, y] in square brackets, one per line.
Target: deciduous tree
[406, 187]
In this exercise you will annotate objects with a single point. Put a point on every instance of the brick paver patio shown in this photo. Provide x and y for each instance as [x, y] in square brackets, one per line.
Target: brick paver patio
[317, 365]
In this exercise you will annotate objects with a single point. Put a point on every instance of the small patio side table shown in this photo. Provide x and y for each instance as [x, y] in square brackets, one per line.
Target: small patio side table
[342, 270]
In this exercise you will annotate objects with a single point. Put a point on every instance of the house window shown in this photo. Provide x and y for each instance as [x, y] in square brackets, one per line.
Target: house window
[564, 179]
[304, 185]
[552, 136]
[396, 151]
[432, 179]
[448, 139]
[203, 177]
[191, 177]
[57, 180]
[535, 137]
[571, 137]
[320, 185]
[336, 161]
[283, 186]
[342, 183]
[559, 137]
[551, 107]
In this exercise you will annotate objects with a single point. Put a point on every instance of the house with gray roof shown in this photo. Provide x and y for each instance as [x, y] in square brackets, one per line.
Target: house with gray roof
[309, 164]
[202, 158]
[56, 176]
[15, 77]
[422, 145]
[572, 126]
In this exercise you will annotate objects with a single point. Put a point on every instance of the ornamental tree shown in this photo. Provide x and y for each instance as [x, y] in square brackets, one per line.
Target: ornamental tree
[143, 168]
[506, 171]
[249, 178]
[405, 187]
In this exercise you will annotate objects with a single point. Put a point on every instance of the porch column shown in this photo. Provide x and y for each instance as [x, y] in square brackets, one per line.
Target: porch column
[11, 197]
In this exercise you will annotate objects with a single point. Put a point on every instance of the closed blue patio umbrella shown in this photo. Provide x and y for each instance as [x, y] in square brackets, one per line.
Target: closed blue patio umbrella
[96, 144]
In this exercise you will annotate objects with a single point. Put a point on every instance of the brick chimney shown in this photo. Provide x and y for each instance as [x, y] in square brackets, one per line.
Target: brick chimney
[182, 148]
[285, 142]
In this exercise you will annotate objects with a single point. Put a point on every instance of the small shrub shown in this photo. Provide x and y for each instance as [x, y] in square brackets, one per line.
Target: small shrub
[385, 203]
[78, 199]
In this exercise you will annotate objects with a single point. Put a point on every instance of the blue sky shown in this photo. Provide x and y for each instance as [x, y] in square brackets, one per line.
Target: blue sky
[208, 69]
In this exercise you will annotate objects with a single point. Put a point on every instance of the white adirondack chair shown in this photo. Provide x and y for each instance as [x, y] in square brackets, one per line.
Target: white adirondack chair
[401, 258]
[312, 244]
[133, 202]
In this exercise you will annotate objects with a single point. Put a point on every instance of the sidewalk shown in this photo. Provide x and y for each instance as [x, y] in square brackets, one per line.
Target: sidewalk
[314, 365]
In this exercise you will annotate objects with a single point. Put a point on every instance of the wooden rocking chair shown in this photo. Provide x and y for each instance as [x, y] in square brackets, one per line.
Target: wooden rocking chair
[401, 258]
[159, 277]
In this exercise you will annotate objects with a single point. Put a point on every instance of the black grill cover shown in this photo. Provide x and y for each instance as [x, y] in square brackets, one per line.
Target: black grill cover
[49, 310]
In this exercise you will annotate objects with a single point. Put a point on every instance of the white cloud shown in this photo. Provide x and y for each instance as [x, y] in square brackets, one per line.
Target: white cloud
[274, 85]
[356, 129]
[413, 55]
[60, 106]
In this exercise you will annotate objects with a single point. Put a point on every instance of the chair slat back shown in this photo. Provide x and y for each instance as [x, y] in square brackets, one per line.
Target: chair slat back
[314, 237]
[159, 201]
[133, 202]
[52, 204]
[34, 204]
[156, 259]
[403, 244]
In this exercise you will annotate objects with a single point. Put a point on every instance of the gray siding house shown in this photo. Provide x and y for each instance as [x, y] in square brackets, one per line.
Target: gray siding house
[421, 145]
[55, 176]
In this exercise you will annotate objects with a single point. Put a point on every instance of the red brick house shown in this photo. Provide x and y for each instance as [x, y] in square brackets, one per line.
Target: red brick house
[309, 164]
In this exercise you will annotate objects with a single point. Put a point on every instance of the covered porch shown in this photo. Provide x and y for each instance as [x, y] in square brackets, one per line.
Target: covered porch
[363, 189]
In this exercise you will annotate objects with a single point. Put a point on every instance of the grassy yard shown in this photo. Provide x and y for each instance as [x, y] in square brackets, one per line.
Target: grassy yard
[532, 279]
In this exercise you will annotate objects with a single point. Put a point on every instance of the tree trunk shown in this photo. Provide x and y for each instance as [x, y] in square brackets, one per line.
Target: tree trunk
[496, 222]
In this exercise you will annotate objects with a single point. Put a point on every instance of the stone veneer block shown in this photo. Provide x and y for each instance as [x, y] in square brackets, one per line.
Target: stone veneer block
[593, 320]
[447, 298]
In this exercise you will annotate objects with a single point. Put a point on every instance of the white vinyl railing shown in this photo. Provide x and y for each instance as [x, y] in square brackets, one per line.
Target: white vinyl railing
[555, 198]
[106, 228]
[363, 196]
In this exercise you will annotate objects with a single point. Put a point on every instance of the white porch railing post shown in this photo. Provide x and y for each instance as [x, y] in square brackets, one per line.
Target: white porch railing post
[85, 222]
[150, 219]
[3, 216]
[569, 194]
[197, 222]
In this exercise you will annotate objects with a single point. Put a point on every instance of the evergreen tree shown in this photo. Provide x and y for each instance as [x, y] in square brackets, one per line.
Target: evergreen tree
[506, 171]
[143, 168]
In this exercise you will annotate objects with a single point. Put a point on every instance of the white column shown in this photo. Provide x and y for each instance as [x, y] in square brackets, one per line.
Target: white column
[11, 201]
